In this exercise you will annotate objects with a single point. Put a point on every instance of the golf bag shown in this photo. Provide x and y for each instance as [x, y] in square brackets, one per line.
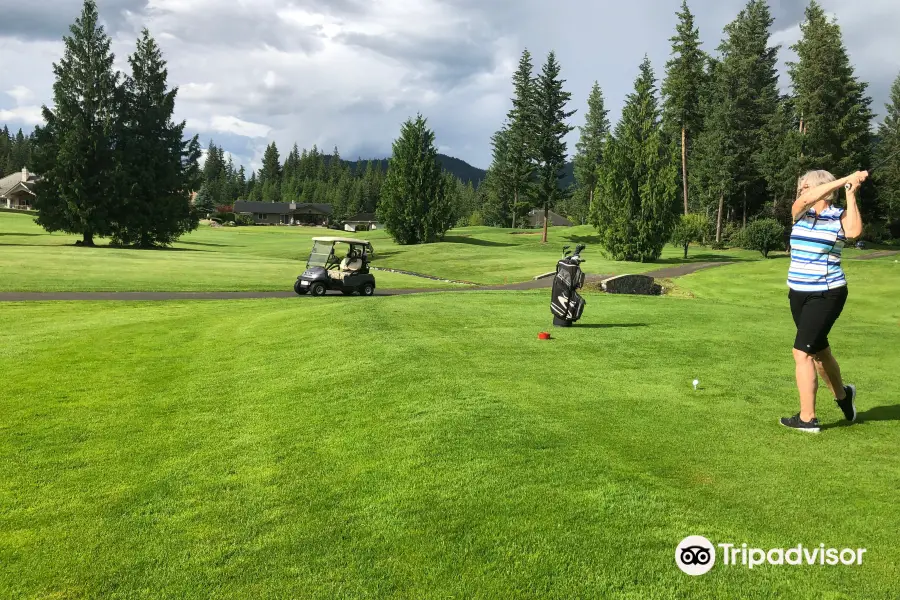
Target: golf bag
[565, 303]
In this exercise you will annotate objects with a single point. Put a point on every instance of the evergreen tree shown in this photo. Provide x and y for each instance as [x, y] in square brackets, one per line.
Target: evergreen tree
[203, 203]
[550, 132]
[887, 155]
[521, 139]
[414, 202]
[499, 200]
[270, 175]
[832, 104]
[158, 167]
[681, 90]
[637, 205]
[589, 152]
[779, 160]
[740, 104]
[76, 144]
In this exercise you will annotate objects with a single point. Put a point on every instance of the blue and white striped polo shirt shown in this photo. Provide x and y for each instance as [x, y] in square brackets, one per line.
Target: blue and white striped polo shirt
[816, 244]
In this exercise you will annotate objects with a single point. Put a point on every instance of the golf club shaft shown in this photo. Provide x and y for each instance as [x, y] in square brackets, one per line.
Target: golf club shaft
[878, 166]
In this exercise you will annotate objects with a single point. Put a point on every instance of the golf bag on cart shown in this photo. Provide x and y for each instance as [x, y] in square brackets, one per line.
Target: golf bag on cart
[565, 303]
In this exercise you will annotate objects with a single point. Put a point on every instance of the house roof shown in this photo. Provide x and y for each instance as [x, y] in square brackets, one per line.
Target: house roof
[281, 208]
[362, 218]
[14, 182]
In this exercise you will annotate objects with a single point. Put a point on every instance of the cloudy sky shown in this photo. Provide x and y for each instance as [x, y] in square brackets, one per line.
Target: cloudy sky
[349, 72]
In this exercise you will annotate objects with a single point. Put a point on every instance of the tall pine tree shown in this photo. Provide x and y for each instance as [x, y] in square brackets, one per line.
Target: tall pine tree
[834, 110]
[551, 129]
[637, 205]
[159, 168]
[270, 175]
[887, 155]
[415, 202]
[76, 145]
[521, 139]
[681, 90]
[589, 152]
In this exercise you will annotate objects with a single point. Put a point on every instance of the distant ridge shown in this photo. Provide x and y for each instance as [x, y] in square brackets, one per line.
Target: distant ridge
[455, 166]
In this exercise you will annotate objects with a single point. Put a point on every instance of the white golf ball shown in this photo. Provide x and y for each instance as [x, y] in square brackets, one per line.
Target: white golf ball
[696, 383]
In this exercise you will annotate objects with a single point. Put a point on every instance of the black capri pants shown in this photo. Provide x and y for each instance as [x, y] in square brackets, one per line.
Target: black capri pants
[814, 314]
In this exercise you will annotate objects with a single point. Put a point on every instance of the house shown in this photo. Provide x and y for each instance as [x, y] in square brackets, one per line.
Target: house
[535, 218]
[284, 213]
[362, 222]
[17, 190]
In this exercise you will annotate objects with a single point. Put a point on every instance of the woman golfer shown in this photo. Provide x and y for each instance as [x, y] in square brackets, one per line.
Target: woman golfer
[818, 289]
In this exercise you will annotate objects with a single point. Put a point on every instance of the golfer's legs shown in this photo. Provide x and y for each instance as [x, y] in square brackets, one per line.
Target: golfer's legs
[807, 383]
[829, 369]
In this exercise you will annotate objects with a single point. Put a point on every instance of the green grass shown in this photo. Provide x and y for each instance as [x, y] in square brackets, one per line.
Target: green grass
[431, 447]
[270, 258]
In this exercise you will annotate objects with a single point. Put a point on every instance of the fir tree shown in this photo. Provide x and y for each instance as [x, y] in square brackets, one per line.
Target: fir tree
[637, 206]
[157, 166]
[76, 144]
[682, 88]
[521, 139]
[887, 155]
[740, 105]
[831, 102]
[414, 202]
[270, 175]
[589, 151]
[550, 132]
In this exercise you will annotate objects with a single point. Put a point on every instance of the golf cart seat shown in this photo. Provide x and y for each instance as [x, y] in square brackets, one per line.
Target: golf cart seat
[351, 264]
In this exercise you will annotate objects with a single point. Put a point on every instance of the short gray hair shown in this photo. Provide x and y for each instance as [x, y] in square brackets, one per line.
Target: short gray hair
[817, 178]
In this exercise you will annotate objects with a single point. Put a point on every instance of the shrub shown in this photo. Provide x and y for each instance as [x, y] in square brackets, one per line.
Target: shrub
[764, 235]
[223, 217]
[690, 228]
[475, 219]
[717, 245]
[734, 235]
[243, 220]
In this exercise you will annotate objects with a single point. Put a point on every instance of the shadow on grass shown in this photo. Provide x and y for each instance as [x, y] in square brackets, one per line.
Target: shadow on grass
[458, 239]
[880, 413]
[609, 325]
[701, 258]
[212, 245]
[3, 233]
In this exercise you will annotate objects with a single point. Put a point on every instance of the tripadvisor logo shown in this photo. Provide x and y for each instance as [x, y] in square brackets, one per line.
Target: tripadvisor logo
[696, 555]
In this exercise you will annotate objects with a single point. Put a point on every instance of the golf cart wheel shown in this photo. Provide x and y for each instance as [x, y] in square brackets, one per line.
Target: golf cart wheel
[367, 289]
[299, 289]
[317, 289]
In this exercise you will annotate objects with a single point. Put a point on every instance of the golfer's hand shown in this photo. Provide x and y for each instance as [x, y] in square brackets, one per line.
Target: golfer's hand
[856, 180]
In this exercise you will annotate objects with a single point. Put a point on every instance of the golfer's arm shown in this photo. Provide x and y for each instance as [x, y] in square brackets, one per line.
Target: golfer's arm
[851, 219]
[813, 195]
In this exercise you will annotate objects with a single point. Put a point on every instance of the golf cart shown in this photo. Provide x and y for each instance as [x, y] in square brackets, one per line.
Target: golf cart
[340, 264]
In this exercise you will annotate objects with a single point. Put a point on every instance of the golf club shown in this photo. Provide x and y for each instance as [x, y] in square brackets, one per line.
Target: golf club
[847, 186]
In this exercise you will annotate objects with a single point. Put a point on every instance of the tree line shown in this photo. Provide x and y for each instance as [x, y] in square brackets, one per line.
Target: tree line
[15, 151]
[306, 176]
[715, 139]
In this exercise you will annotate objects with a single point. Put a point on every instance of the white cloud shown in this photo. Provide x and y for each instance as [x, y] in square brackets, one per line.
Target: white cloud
[24, 115]
[230, 124]
[20, 94]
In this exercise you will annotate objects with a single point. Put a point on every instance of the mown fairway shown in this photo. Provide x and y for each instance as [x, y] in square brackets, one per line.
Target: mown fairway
[270, 258]
[431, 447]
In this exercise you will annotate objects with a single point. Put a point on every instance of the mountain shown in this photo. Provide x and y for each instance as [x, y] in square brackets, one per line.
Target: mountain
[457, 167]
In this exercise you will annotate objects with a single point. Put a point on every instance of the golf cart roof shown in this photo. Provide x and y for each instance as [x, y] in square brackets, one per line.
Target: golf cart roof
[331, 240]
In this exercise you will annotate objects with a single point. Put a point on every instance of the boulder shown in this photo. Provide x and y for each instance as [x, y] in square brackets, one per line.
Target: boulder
[631, 284]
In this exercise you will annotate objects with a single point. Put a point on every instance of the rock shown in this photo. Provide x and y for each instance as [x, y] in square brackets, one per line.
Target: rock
[631, 284]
